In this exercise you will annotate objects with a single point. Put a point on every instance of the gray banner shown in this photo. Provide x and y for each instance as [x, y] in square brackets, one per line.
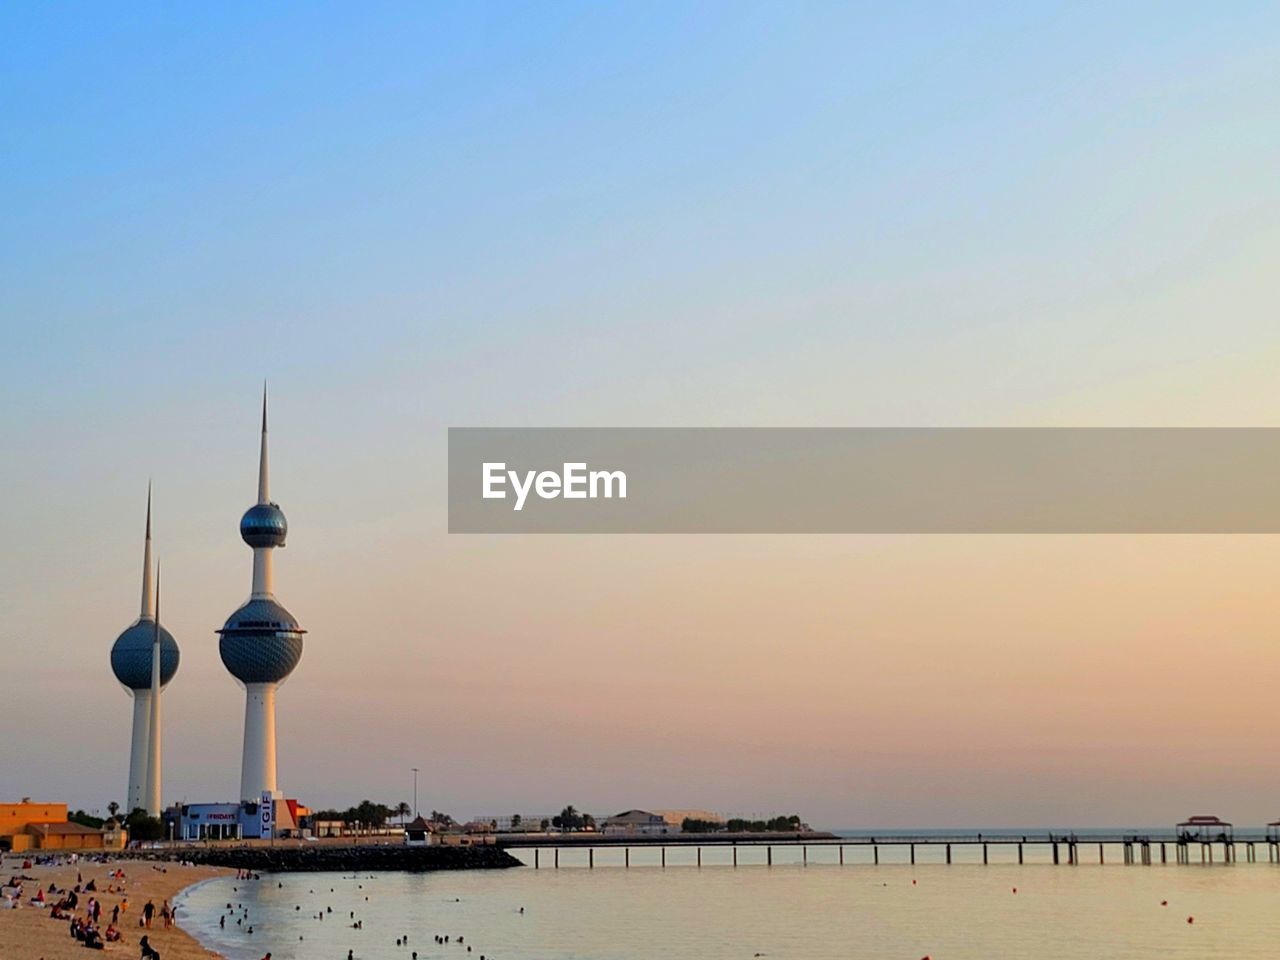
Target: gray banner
[864, 480]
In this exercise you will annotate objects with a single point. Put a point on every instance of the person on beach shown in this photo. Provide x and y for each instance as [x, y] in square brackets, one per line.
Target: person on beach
[148, 912]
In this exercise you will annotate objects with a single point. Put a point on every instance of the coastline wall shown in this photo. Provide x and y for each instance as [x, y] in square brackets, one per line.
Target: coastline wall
[349, 859]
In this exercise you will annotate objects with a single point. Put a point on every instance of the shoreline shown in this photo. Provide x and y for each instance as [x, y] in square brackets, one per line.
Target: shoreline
[29, 933]
[345, 859]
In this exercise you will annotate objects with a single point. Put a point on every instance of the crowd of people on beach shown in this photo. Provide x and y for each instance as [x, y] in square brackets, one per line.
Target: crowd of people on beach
[93, 925]
[82, 908]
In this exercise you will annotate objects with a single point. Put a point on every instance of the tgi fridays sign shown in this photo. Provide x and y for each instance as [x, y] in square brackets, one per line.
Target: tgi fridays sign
[267, 811]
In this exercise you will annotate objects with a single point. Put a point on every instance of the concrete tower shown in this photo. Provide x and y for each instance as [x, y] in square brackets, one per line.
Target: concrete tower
[135, 663]
[261, 642]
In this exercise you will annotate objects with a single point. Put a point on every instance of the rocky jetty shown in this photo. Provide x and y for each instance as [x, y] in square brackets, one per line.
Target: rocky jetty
[346, 859]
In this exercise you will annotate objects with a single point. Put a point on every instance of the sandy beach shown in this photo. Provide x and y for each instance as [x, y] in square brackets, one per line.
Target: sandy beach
[28, 933]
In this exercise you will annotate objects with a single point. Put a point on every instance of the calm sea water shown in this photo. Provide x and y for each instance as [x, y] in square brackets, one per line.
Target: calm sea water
[962, 912]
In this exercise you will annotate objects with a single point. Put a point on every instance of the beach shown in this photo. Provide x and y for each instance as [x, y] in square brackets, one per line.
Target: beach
[28, 933]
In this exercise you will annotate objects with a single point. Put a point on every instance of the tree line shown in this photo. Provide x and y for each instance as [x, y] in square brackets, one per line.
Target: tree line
[368, 813]
[780, 824]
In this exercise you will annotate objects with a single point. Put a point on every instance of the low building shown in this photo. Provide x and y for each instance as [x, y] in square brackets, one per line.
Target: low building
[519, 822]
[417, 833]
[238, 821]
[638, 822]
[44, 826]
[212, 821]
[67, 836]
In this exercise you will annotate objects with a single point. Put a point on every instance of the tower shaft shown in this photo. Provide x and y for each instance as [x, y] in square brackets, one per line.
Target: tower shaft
[138, 751]
[264, 578]
[258, 766]
[153, 739]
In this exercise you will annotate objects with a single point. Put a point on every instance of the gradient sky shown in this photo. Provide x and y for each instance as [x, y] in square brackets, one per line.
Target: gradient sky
[416, 216]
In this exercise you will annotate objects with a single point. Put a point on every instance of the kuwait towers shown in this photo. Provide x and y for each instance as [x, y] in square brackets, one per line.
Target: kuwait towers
[144, 659]
[261, 642]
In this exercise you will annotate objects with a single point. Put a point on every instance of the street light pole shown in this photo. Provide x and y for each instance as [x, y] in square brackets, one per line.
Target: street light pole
[415, 792]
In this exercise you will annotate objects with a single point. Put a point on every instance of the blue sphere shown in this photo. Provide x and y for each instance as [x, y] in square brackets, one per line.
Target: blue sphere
[264, 525]
[131, 655]
[261, 642]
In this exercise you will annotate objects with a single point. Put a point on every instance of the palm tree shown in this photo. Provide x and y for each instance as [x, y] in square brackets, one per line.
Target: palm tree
[113, 808]
[403, 810]
[569, 818]
[516, 820]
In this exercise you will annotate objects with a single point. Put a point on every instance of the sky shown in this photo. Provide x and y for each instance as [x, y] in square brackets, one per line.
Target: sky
[415, 216]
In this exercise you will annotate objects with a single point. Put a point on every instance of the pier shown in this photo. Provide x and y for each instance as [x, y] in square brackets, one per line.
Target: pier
[1066, 849]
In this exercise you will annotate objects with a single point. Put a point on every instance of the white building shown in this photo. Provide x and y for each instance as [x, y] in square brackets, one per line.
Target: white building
[638, 823]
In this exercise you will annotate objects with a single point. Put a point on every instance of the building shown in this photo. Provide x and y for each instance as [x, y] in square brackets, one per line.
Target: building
[44, 826]
[144, 674]
[638, 822]
[261, 642]
[519, 822]
[240, 821]
[418, 832]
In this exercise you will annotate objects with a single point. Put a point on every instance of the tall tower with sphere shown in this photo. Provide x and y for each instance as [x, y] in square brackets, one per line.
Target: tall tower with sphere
[261, 642]
[134, 662]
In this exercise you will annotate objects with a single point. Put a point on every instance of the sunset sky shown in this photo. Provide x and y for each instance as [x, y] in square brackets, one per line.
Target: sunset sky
[411, 217]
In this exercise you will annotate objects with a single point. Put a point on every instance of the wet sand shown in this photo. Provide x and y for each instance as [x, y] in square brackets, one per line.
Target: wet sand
[29, 934]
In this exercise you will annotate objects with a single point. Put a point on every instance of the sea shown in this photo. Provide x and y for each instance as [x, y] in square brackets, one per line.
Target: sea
[790, 910]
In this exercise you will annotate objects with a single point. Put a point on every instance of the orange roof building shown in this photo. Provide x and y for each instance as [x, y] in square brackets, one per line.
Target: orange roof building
[44, 826]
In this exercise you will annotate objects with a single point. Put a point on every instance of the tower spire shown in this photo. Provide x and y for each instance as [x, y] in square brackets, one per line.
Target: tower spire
[148, 595]
[264, 488]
